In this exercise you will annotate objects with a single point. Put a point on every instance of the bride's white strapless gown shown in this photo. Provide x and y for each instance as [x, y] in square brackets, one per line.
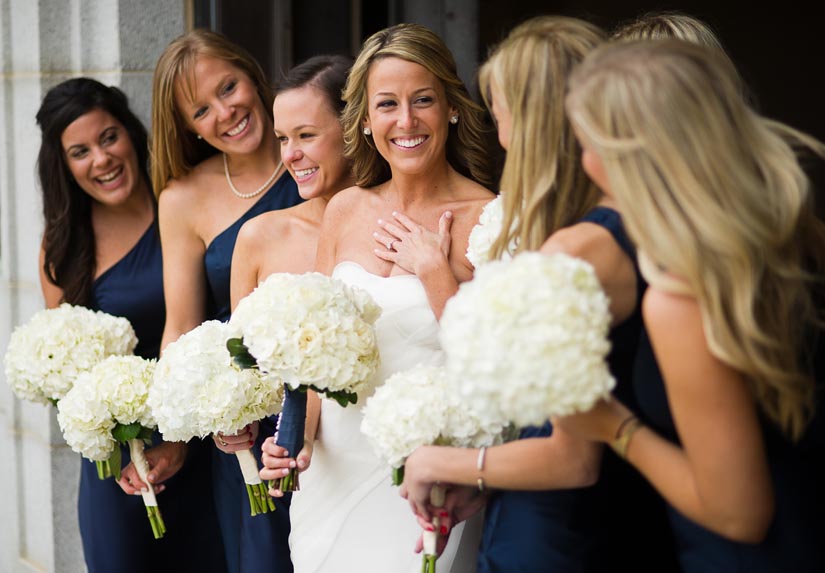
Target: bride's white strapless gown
[348, 516]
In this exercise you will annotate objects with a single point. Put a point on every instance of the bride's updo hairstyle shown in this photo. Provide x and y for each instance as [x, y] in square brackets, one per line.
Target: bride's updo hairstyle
[714, 194]
[466, 151]
[545, 187]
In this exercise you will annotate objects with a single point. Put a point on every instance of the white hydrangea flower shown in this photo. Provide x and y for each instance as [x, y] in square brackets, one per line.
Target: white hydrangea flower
[419, 407]
[311, 330]
[114, 391]
[527, 338]
[86, 421]
[486, 231]
[45, 355]
[198, 391]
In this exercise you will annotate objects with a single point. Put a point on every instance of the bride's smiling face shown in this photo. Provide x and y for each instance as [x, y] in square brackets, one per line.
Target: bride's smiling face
[408, 113]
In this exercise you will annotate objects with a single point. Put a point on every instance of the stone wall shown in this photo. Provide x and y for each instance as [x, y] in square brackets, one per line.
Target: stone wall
[43, 42]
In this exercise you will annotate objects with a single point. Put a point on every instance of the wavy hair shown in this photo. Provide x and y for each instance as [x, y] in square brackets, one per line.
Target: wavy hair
[68, 237]
[175, 148]
[545, 185]
[466, 150]
[715, 194]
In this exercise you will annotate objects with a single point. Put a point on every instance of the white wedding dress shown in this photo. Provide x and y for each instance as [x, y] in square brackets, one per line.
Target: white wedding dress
[348, 516]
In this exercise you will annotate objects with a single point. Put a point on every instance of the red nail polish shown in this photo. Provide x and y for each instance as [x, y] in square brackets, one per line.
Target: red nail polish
[444, 513]
[430, 527]
[443, 530]
[251, 443]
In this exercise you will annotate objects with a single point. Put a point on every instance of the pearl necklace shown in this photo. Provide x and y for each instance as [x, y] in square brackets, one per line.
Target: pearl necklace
[257, 191]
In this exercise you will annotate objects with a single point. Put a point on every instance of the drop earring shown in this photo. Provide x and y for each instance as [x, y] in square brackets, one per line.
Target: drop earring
[367, 131]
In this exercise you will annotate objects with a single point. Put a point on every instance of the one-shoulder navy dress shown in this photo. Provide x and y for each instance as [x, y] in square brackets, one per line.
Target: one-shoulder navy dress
[569, 530]
[114, 528]
[796, 538]
[260, 543]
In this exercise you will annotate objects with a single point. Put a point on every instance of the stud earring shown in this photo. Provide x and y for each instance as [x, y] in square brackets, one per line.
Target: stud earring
[200, 137]
[454, 119]
[367, 131]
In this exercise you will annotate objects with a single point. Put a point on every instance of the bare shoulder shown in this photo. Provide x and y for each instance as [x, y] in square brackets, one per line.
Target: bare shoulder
[194, 187]
[266, 226]
[582, 240]
[346, 201]
[664, 311]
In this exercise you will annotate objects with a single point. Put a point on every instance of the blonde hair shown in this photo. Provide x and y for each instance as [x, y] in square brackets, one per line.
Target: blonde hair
[545, 187]
[714, 194]
[466, 151]
[175, 148]
[669, 25]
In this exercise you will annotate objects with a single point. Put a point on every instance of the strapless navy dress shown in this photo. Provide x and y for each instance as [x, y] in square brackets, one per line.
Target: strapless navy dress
[617, 524]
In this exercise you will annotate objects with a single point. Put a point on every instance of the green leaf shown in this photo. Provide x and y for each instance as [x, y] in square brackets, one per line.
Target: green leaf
[115, 461]
[240, 354]
[125, 432]
[343, 397]
[53, 401]
[145, 434]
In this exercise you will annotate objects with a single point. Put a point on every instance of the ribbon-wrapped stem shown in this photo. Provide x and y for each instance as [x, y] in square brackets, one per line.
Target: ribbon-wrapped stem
[290, 434]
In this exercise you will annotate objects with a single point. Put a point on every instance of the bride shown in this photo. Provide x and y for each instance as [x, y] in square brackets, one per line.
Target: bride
[414, 136]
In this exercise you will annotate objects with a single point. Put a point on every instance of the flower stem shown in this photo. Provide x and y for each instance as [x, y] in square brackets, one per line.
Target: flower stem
[290, 481]
[104, 470]
[259, 500]
[149, 500]
[437, 494]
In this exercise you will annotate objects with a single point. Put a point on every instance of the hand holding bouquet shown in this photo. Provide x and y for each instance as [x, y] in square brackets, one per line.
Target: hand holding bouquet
[198, 391]
[108, 405]
[315, 333]
[421, 407]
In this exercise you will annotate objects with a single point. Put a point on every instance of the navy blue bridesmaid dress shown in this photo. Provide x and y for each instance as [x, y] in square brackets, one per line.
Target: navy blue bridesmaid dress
[114, 528]
[584, 529]
[260, 543]
[796, 539]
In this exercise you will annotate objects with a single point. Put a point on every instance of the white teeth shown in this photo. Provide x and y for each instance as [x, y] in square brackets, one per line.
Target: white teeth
[239, 128]
[304, 172]
[409, 142]
[106, 177]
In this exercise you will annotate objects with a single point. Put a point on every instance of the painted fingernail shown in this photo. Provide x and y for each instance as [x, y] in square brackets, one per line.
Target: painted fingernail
[443, 530]
[430, 527]
[394, 213]
[145, 490]
[443, 513]
[151, 477]
[292, 464]
[251, 443]
[380, 221]
[449, 214]
[375, 235]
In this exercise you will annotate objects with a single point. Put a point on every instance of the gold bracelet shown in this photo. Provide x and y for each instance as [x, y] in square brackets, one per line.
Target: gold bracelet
[623, 434]
[482, 452]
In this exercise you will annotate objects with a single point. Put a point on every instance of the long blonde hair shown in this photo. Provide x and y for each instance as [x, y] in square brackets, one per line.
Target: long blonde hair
[543, 180]
[175, 148]
[714, 194]
[466, 150]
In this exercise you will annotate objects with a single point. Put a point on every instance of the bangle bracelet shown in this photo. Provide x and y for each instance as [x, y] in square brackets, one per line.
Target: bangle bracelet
[623, 434]
[482, 452]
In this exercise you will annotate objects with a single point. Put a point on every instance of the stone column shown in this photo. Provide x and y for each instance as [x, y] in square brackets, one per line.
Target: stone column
[43, 42]
[456, 21]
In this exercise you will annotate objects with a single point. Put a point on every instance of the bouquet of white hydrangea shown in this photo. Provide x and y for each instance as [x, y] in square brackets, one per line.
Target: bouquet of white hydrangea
[198, 391]
[108, 405]
[527, 338]
[486, 231]
[45, 355]
[420, 407]
[314, 332]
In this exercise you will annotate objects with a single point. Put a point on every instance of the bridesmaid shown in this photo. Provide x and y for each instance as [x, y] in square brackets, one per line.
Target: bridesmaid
[101, 250]
[216, 164]
[542, 514]
[714, 195]
[306, 118]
